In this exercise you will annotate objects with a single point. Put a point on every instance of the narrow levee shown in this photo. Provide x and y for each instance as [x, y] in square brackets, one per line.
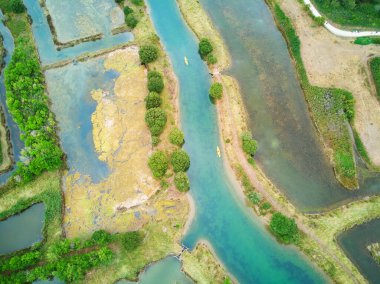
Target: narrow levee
[242, 243]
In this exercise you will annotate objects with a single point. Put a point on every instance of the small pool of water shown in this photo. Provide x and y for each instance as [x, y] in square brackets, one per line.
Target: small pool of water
[69, 89]
[166, 271]
[22, 230]
[355, 241]
[44, 40]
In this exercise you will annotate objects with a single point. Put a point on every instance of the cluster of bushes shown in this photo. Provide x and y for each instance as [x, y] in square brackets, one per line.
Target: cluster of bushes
[284, 229]
[216, 91]
[130, 17]
[17, 6]
[205, 49]
[249, 144]
[28, 104]
[365, 40]
[19, 262]
[68, 269]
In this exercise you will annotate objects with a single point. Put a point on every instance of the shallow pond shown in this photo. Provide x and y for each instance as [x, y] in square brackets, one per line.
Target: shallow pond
[22, 230]
[239, 239]
[165, 271]
[69, 90]
[355, 242]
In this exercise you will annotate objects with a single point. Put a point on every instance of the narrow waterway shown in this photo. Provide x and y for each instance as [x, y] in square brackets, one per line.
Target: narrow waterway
[242, 243]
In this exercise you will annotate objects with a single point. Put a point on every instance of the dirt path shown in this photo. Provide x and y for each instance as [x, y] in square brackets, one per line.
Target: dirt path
[336, 62]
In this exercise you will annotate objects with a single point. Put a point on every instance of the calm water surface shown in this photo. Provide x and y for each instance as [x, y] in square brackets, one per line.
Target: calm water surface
[22, 230]
[241, 242]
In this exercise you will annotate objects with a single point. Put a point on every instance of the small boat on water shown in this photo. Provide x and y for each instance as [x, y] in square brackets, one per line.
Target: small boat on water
[186, 61]
[218, 151]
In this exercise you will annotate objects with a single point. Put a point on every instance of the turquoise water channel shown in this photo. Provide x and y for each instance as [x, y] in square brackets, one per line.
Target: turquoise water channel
[242, 242]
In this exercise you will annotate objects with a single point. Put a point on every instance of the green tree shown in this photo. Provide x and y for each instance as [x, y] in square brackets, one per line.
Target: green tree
[176, 137]
[248, 143]
[131, 21]
[148, 54]
[211, 59]
[285, 229]
[153, 100]
[132, 240]
[101, 237]
[205, 47]
[138, 2]
[182, 182]
[155, 84]
[158, 163]
[17, 6]
[127, 10]
[154, 74]
[180, 161]
[156, 119]
[216, 91]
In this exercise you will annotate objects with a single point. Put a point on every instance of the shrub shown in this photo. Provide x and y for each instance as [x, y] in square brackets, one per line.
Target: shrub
[148, 54]
[285, 229]
[131, 21]
[320, 21]
[138, 2]
[101, 237]
[176, 137]
[249, 145]
[132, 240]
[127, 10]
[180, 161]
[211, 59]
[216, 91]
[155, 84]
[17, 6]
[155, 140]
[158, 163]
[182, 182]
[153, 100]
[155, 118]
[205, 47]
[154, 74]
[119, 1]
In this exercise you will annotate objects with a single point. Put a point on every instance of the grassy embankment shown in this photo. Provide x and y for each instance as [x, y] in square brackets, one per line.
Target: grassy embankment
[375, 69]
[350, 13]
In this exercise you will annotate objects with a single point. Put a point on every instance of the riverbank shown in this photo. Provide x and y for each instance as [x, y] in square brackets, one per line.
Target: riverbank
[232, 121]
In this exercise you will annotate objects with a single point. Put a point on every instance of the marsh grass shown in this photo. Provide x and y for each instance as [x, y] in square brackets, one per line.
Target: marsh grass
[375, 69]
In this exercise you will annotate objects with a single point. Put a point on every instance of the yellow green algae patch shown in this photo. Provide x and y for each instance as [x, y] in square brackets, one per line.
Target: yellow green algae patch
[123, 141]
[202, 265]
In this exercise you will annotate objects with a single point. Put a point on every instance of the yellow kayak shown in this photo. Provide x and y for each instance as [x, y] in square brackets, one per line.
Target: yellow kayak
[218, 151]
[186, 61]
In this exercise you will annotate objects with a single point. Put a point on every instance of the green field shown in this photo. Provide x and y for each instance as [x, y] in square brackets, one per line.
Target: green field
[364, 14]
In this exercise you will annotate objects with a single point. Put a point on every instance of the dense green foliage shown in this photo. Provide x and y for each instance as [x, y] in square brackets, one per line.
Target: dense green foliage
[216, 91]
[182, 182]
[155, 82]
[330, 108]
[205, 47]
[375, 69]
[148, 53]
[153, 100]
[211, 59]
[249, 145]
[156, 119]
[132, 240]
[18, 262]
[176, 137]
[119, 1]
[285, 229]
[361, 148]
[131, 21]
[127, 10]
[28, 104]
[365, 40]
[17, 6]
[158, 163]
[363, 13]
[155, 140]
[101, 237]
[180, 161]
[138, 2]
